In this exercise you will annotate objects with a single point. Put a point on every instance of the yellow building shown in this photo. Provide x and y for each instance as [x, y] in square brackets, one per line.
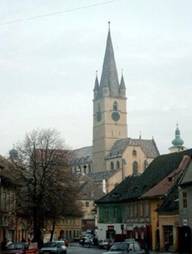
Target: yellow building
[68, 228]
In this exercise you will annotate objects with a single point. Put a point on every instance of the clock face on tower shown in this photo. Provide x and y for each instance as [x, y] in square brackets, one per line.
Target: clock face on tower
[115, 116]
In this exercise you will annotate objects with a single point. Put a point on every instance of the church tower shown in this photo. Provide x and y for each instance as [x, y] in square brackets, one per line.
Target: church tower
[177, 142]
[109, 109]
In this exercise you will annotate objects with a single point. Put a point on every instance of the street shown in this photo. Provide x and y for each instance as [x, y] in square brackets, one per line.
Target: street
[77, 249]
[82, 250]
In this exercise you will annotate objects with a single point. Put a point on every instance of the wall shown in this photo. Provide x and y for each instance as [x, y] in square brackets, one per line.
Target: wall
[169, 220]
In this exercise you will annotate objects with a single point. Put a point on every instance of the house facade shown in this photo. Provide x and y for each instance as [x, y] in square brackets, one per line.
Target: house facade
[131, 209]
[185, 208]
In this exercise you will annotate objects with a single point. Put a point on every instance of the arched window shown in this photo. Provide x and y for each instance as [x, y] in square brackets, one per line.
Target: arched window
[134, 153]
[117, 165]
[135, 168]
[112, 166]
[115, 106]
[85, 169]
[145, 164]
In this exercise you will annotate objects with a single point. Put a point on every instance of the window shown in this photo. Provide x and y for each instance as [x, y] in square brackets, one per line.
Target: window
[112, 166]
[117, 165]
[85, 169]
[115, 106]
[134, 153]
[135, 168]
[87, 204]
[184, 199]
[146, 209]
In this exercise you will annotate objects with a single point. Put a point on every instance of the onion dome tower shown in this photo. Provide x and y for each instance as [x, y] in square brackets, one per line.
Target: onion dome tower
[177, 142]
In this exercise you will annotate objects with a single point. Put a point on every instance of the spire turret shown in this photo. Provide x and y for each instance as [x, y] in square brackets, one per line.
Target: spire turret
[96, 87]
[122, 88]
[109, 77]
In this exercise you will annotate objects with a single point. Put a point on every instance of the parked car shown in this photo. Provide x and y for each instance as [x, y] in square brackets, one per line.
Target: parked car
[130, 240]
[105, 244]
[56, 247]
[124, 248]
[16, 248]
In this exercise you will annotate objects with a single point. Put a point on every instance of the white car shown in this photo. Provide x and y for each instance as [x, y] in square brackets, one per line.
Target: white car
[56, 247]
[124, 248]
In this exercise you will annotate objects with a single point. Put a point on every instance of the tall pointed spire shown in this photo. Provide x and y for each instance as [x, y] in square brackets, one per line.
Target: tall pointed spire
[109, 77]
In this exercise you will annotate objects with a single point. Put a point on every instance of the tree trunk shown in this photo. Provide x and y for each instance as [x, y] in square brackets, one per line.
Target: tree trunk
[52, 230]
[37, 226]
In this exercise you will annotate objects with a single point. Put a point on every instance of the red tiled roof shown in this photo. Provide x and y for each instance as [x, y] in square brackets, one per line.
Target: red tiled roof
[167, 183]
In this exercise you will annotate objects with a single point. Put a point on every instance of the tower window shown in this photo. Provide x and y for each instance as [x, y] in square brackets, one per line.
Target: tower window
[134, 153]
[135, 168]
[85, 169]
[112, 166]
[115, 106]
[117, 165]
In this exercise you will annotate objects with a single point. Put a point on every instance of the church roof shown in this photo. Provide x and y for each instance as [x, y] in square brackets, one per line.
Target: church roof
[84, 154]
[109, 76]
[90, 190]
[134, 187]
[147, 145]
[99, 176]
[81, 155]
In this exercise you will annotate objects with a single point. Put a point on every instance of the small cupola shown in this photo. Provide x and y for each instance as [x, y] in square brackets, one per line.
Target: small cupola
[177, 141]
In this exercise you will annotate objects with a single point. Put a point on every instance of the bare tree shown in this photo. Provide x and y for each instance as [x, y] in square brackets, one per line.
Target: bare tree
[48, 191]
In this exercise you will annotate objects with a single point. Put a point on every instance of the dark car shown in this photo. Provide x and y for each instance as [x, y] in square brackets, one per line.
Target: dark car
[56, 247]
[16, 248]
[125, 247]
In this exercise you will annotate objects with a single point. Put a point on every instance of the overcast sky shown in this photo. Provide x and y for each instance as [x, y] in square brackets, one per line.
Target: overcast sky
[48, 64]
